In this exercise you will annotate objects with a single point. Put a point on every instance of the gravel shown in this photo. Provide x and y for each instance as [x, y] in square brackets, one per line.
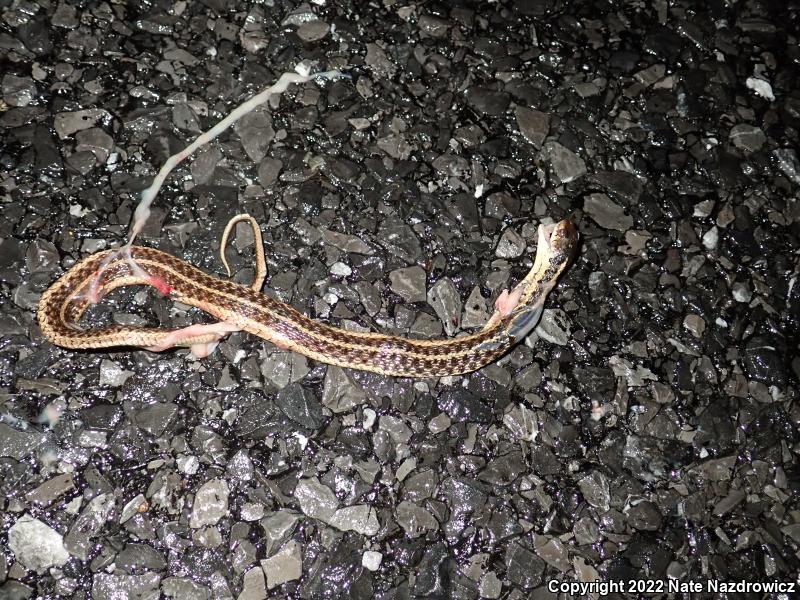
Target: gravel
[647, 429]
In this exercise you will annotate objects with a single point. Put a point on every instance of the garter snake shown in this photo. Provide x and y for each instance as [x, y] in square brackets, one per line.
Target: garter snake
[243, 308]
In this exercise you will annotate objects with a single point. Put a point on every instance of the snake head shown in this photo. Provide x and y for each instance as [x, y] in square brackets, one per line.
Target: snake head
[560, 239]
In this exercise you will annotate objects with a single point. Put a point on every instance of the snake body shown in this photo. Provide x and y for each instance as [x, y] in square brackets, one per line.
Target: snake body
[64, 302]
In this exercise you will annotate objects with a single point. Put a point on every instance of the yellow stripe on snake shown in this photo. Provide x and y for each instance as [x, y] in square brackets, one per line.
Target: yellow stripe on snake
[241, 308]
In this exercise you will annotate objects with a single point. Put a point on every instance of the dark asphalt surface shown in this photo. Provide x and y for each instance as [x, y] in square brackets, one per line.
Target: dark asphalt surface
[647, 430]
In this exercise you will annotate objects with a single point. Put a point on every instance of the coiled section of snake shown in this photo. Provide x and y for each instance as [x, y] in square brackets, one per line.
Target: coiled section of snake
[63, 304]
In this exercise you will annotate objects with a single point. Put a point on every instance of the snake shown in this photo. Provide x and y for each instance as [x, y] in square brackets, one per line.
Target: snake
[238, 307]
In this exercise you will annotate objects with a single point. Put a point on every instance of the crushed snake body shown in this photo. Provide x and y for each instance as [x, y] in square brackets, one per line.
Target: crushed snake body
[242, 308]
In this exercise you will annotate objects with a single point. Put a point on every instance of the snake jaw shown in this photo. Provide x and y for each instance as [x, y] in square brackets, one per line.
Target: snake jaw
[524, 320]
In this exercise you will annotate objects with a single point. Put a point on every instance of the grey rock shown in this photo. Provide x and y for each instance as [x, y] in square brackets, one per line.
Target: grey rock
[251, 511]
[135, 557]
[96, 141]
[747, 138]
[36, 545]
[420, 486]
[511, 244]
[19, 444]
[554, 553]
[313, 31]
[451, 165]
[360, 518]
[464, 209]
[36, 35]
[253, 586]
[268, 170]
[786, 160]
[716, 469]
[398, 431]
[487, 101]
[606, 213]
[622, 186]
[132, 507]
[596, 490]
[586, 531]
[210, 504]
[41, 257]
[490, 586]
[414, 519]
[340, 392]
[65, 16]
[504, 469]
[533, 124]
[566, 165]
[741, 292]
[240, 466]
[395, 145]
[371, 560]
[112, 374]
[764, 361]
[50, 490]
[554, 326]
[17, 91]
[586, 89]
[88, 525]
[182, 56]
[729, 502]
[278, 526]
[340, 269]
[476, 310]
[523, 567]
[433, 26]
[370, 297]
[635, 376]
[463, 406]
[255, 130]
[464, 496]
[300, 405]
[156, 418]
[379, 63]
[645, 516]
[319, 502]
[282, 368]
[67, 123]
[650, 75]
[345, 242]
[694, 324]
[117, 586]
[203, 165]
[286, 565]
[82, 162]
[183, 588]
[16, 590]
[316, 500]
[444, 298]
[397, 238]
[409, 283]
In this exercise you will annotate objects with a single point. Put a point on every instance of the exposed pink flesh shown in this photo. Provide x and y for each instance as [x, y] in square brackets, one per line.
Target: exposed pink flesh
[162, 286]
[179, 335]
[507, 301]
[203, 350]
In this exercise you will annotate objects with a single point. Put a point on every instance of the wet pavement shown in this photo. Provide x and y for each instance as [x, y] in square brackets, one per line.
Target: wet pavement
[648, 428]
